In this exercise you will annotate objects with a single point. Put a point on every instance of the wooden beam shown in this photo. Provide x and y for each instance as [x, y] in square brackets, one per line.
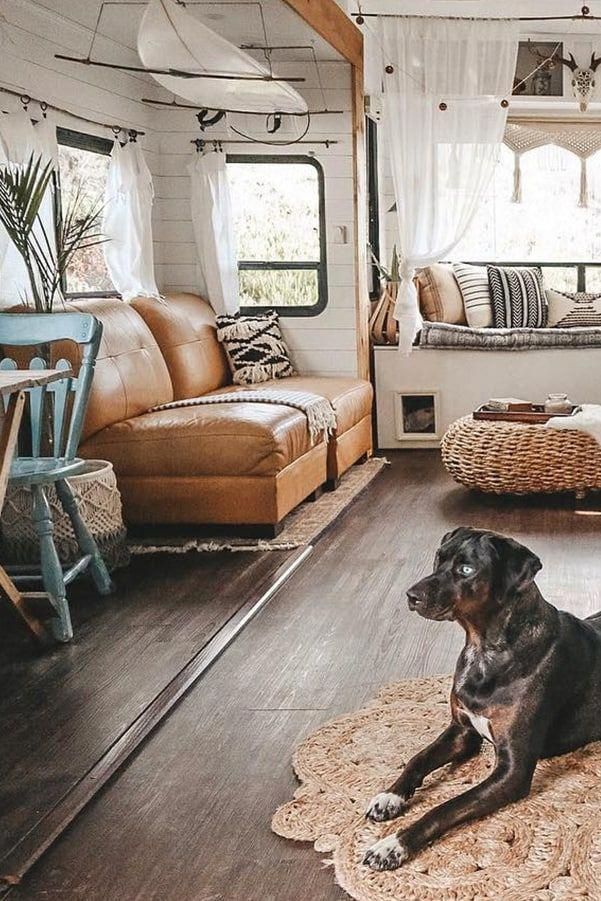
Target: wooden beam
[333, 25]
[362, 305]
[329, 21]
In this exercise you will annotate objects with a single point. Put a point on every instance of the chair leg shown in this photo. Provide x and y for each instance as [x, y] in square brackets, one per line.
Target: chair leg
[52, 571]
[85, 540]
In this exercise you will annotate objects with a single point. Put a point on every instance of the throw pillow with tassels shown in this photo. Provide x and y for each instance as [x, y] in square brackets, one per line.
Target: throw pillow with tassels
[255, 348]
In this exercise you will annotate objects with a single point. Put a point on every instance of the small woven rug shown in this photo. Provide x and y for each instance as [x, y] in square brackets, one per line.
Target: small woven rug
[544, 848]
[301, 527]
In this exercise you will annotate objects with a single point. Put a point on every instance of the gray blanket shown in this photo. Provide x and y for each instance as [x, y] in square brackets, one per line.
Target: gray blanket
[321, 416]
[461, 337]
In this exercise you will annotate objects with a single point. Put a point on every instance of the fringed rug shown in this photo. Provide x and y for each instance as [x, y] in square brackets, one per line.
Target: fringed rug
[544, 848]
[301, 527]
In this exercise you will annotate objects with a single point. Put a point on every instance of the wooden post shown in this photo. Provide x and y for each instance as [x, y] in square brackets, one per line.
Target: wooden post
[362, 306]
[329, 21]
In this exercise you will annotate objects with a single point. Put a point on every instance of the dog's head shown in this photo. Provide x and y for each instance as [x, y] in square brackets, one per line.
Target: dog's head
[475, 573]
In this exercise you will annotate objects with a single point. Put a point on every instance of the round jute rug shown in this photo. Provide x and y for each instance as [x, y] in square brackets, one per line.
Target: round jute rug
[547, 846]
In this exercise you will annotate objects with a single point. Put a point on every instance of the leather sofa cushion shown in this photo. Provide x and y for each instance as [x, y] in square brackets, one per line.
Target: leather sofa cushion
[130, 375]
[184, 328]
[227, 439]
[350, 397]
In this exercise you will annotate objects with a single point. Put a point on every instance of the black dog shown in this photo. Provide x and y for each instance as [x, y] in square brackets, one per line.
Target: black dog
[528, 680]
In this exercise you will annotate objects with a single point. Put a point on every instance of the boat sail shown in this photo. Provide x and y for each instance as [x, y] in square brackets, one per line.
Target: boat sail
[171, 38]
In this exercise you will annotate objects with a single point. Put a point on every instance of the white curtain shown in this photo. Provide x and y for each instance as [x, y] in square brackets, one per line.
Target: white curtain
[19, 140]
[212, 219]
[444, 118]
[128, 223]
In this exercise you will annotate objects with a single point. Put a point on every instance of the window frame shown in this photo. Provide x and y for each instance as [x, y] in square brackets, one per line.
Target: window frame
[580, 268]
[373, 203]
[94, 144]
[319, 266]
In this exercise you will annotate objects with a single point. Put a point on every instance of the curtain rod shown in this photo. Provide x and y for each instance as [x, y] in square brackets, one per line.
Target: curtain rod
[202, 142]
[175, 73]
[26, 99]
[175, 104]
[534, 120]
[583, 16]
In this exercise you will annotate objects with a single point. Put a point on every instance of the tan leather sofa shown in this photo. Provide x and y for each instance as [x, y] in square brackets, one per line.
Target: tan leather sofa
[225, 463]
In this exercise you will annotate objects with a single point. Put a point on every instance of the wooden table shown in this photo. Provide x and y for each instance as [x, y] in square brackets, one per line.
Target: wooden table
[13, 385]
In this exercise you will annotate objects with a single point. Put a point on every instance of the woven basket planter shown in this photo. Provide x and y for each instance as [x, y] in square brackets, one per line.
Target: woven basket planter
[99, 503]
[514, 458]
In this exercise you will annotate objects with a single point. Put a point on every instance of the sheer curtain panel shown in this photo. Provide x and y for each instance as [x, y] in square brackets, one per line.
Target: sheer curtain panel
[19, 140]
[445, 120]
[212, 219]
[127, 223]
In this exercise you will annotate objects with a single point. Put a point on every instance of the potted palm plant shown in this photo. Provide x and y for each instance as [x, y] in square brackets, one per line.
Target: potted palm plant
[23, 191]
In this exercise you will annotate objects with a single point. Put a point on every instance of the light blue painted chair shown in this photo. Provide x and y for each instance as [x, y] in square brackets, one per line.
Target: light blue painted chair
[56, 416]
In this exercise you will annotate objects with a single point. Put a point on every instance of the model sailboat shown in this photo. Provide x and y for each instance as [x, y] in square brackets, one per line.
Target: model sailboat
[171, 38]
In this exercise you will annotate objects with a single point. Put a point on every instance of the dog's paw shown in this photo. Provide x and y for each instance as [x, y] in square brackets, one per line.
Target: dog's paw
[385, 806]
[387, 854]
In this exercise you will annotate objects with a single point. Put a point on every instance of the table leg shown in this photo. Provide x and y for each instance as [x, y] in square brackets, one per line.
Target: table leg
[8, 443]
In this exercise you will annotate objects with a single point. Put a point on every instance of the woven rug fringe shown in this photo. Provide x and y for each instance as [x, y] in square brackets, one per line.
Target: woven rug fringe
[208, 546]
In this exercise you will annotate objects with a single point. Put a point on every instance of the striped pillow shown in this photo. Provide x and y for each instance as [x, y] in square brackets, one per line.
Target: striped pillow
[518, 297]
[255, 348]
[572, 310]
[473, 283]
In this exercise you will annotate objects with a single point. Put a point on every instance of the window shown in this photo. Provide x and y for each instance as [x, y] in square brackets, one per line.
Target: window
[279, 220]
[84, 160]
[547, 227]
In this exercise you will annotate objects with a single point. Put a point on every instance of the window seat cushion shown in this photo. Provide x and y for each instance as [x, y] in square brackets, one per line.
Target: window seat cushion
[460, 337]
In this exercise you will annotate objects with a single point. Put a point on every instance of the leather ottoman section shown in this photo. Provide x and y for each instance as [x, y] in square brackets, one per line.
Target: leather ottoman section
[348, 447]
[214, 440]
[222, 499]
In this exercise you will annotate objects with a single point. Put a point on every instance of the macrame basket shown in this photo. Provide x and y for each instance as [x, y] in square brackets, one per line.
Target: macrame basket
[99, 503]
[516, 458]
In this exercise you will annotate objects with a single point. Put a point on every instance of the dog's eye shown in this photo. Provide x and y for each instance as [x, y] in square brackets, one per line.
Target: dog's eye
[466, 570]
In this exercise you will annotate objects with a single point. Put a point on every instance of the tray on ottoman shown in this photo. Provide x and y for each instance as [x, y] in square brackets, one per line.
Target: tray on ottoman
[534, 414]
[521, 458]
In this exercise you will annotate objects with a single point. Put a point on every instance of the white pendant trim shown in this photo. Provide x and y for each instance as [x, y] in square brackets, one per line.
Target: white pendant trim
[171, 38]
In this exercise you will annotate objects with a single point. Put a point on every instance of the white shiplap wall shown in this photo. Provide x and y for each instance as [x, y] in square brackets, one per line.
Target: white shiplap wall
[32, 32]
[320, 344]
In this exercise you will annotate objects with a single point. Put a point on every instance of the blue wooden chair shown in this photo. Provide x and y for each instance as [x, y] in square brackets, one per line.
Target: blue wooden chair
[56, 416]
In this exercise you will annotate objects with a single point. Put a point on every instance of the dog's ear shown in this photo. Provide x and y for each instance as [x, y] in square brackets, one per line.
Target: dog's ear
[449, 535]
[519, 565]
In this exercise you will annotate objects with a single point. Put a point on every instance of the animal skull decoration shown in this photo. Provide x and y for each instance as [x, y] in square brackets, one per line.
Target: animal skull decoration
[583, 80]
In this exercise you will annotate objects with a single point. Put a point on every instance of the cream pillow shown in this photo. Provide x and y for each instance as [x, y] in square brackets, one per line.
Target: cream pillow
[477, 300]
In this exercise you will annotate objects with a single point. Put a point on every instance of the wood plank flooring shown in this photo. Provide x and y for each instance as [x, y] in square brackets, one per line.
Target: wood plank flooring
[188, 819]
[60, 711]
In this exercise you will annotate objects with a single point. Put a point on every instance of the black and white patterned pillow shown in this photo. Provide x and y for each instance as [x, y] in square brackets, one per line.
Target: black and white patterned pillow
[573, 310]
[255, 347]
[518, 297]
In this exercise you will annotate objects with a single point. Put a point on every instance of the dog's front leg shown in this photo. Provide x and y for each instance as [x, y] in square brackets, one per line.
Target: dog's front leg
[509, 781]
[456, 743]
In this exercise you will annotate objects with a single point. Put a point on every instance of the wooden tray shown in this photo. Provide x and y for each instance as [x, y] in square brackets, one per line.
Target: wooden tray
[533, 416]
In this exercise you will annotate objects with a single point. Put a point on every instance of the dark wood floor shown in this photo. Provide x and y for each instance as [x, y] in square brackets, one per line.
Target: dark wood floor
[188, 819]
[60, 711]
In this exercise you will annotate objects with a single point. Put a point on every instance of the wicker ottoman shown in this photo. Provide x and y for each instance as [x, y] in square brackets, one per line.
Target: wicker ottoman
[513, 458]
